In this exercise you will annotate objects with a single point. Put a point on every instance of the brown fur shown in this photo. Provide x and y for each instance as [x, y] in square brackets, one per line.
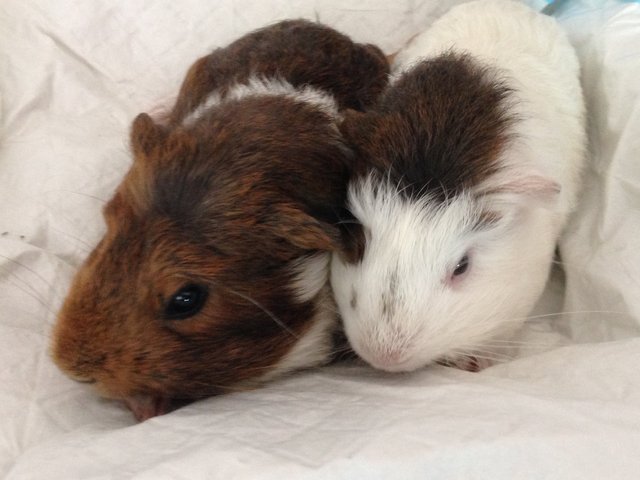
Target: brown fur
[438, 130]
[315, 55]
[229, 203]
[221, 208]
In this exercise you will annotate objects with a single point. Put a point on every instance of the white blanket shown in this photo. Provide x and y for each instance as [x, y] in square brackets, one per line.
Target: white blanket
[74, 74]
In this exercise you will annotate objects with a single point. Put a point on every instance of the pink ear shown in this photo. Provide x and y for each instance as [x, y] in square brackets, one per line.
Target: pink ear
[534, 186]
[528, 188]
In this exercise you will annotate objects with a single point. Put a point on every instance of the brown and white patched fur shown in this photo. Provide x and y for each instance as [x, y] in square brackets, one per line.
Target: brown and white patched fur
[471, 164]
[213, 274]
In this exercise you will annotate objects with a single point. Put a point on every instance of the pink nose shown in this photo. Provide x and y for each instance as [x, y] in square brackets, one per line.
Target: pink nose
[145, 407]
[388, 360]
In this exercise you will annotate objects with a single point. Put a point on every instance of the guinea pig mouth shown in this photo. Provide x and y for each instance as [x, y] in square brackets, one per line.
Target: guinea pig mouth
[145, 406]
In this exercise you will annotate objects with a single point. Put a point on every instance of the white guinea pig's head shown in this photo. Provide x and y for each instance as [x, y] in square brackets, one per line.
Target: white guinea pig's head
[435, 279]
[455, 220]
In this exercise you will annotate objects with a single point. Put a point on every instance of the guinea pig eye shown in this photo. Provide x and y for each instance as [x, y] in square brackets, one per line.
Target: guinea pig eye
[462, 266]
[186, 302]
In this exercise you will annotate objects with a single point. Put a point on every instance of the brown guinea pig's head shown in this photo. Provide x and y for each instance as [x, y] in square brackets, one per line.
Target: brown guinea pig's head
[212, 275]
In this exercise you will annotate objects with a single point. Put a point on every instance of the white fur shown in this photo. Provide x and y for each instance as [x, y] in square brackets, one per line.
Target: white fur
[534, 55]
[310, 275]
[257, 86]
[315, 346]
[400, 307]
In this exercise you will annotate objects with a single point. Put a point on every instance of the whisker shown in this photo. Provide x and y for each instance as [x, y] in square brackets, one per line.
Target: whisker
[24, 286]
[346, 348]
[33, 293]
[347, 222]
[490, 355]
[77, 239]
[475, 350]
[102, 200]
[609, 312]
[486, 356]
[497, 359]
[271, 315]
[531, 346]
[569, 312]
[499, 342]
[27, 269]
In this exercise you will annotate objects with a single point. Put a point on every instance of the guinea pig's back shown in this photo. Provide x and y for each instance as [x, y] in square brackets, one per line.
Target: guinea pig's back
[488, 28]
[300, 52]
[532, 55]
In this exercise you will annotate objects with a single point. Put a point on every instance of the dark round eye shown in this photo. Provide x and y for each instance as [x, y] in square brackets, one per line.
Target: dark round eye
[186, 302]
[462, 266]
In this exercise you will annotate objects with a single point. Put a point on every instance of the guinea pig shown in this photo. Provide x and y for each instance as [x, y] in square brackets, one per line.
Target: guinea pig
[467, 169]
[213, 272]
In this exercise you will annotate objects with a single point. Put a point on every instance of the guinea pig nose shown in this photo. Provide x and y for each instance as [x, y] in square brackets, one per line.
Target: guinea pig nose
[389, 360]
[388, 363]
[144, 406]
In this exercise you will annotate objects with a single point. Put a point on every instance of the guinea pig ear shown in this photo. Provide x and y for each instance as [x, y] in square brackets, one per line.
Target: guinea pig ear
[304, 231]
[145, 135]
[528, 188]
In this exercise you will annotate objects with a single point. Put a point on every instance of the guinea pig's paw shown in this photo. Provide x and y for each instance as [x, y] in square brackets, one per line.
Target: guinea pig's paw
[145, 407]
[468, 363]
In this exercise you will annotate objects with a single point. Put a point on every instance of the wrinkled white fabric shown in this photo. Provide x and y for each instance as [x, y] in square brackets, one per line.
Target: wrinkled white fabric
[73, 75]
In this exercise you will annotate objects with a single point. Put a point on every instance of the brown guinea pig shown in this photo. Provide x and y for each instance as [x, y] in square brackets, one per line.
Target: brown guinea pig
[213, 273]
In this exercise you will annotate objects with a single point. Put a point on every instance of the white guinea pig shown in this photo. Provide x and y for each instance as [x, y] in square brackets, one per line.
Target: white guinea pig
[469, 165]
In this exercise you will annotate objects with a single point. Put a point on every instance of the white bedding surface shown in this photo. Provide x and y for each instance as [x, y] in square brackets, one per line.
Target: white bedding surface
[73, 75]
